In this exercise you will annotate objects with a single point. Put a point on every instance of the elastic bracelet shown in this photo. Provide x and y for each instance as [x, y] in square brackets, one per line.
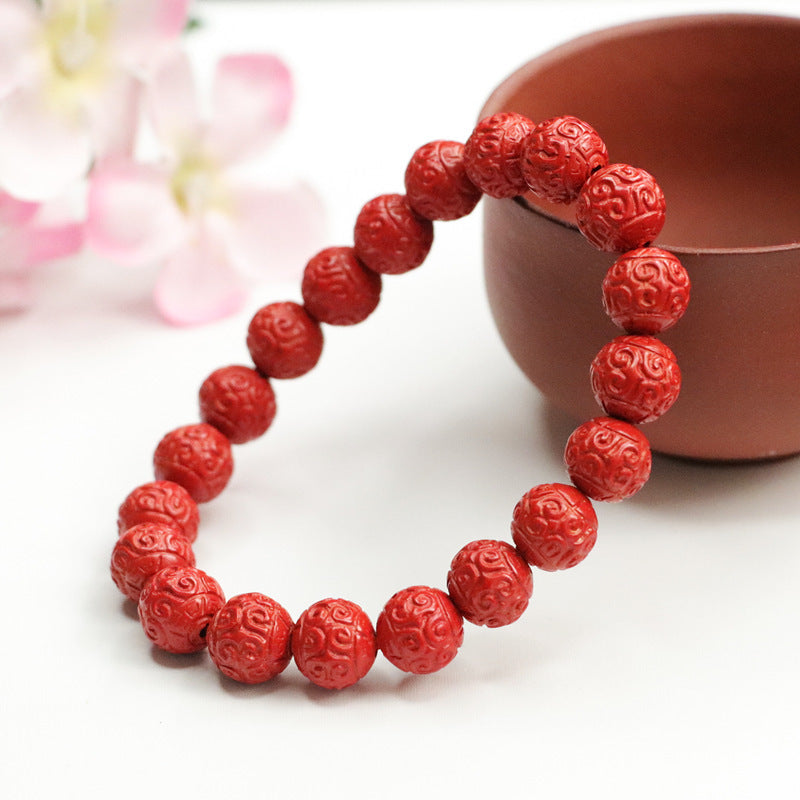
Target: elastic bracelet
[635, 379]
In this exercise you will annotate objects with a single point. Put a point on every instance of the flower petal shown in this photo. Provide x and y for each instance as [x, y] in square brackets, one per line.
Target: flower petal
[49, 242]
[132, 217]
[114, 118]
[41, 151]
[171, 101]
[18, 26]
[251, 102]
[198, 285]
[143, 27]
[14, 212]
[274, 232]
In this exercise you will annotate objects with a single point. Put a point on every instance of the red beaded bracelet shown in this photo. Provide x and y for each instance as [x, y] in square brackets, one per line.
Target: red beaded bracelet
[635, 378]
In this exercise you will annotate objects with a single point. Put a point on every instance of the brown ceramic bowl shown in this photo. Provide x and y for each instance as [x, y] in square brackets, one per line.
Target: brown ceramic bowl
[711, 106]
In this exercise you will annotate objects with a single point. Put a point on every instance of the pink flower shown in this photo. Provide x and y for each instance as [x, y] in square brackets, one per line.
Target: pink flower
[26, 242]
[191, 210]
[68, 95]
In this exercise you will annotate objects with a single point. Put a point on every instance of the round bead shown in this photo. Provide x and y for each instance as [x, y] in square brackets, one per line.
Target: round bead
[608, 459]
[635, 378]
[620, 208]
[554, 526]
[338, 289]
[493, 154]
[646, 290]
[176, 607]
[284, 341]
[198, 457]
[250, 638]
[390, 237]
[160, 501]
[334, 643]
[238, 402]
[437, 185]
[489, 583]
[145, 549]
[559, 156]
[420, 630]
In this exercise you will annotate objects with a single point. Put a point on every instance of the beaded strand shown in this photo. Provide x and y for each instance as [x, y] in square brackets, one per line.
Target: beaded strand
[635, 379]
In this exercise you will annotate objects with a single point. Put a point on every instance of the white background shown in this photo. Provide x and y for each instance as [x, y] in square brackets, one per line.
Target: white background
[665, 666]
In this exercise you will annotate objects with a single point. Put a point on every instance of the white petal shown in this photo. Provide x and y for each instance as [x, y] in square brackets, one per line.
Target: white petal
[115, 118]
[18, 27]
[171, 101]
[143, 27]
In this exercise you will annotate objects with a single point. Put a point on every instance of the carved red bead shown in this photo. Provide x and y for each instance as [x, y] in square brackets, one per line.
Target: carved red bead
[635, 378]
[143, 550]
[620, 208]
[334, 643]
[489, 583]
[338, 289]
[420, 630]
[646, 290]
[238, 402]
[250, 638]
[437, 185]
[390, 237]
[493, 154]
[554, 526]
[559, 156]
[284, 340]
[608, 459]
[198, 457]
[160, 501]
[176, 607]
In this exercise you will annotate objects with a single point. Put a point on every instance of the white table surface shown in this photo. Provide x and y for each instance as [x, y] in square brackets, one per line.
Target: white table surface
[665, 666]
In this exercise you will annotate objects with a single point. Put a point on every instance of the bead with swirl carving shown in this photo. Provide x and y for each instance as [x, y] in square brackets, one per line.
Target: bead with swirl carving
[554, 526]
[420, 630]
[493, 154]
[390, 237]
[284, 341]
[250, 638]
[608, 459]
[489, 583]
[160, 501]
[635, 378]
[238, 402]
[198, 457]
[646, 290]
[176, 607]
[143, 550]
[333, 643]
[338, 289]
[620, 208]
[437, 185]
[559, 156]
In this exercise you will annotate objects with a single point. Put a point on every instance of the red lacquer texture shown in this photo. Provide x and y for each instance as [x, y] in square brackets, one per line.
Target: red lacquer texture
[250, 638]
[490, 583]
[160, 501]
[420, 630]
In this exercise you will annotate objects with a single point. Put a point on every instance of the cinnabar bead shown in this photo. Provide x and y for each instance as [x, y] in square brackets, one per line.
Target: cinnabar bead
[608, 459]
[338, 289]
[198, 457]
[160, 501]
[284, 340]
[238, 402]
[635, 378]
[554, 526]
[559, 156]
[250, 638]
[176, 607]
[646, 290]
[420, 630]
[436, 181]
[143, 550]
[333, 643]
[390, 237]
[493, 154]
[620, 208]
[489, 583]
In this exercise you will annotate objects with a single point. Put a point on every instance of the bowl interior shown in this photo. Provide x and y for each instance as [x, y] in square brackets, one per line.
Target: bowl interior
[709, 105]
